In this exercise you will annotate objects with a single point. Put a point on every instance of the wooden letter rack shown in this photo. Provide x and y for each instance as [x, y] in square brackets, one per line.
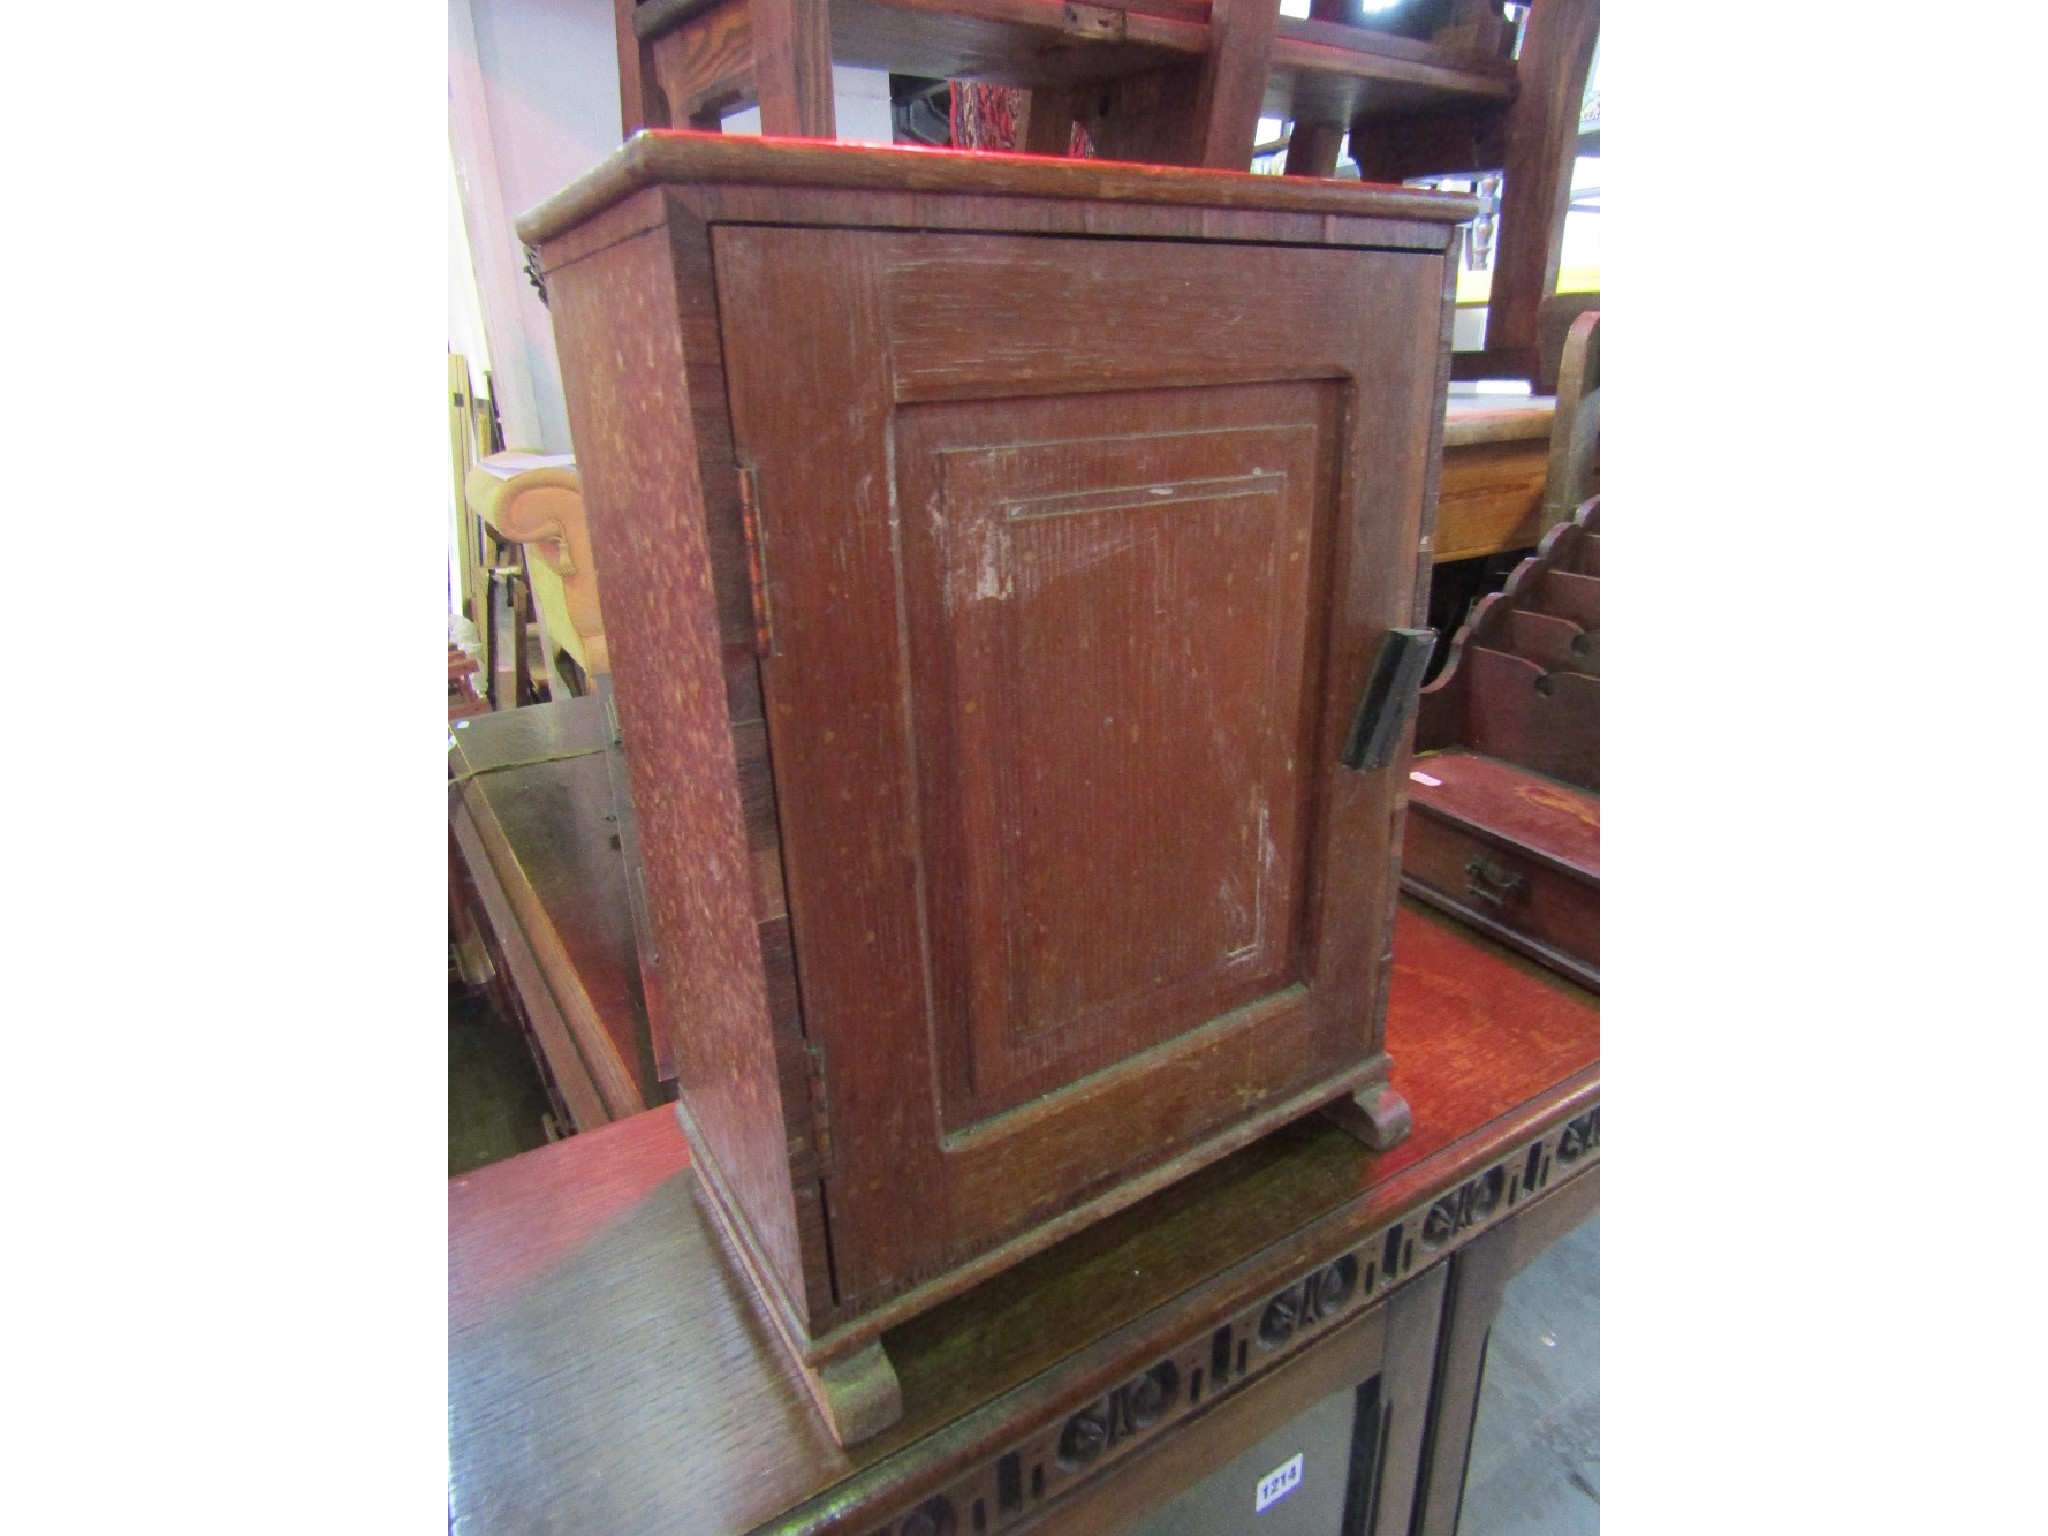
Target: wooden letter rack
[995, 550]
[1505, 830]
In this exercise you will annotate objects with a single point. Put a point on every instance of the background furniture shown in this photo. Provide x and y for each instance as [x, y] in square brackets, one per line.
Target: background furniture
[463, 699]
[1183, 82]
[478, 558]
[1571, 476]
[1496, 462]
[536, 502]
[1477, 1281]
[609, 1373]
[536, 870]
[1504, 812]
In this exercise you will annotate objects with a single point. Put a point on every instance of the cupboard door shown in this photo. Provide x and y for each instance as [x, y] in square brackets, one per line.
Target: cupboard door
[1074, 552]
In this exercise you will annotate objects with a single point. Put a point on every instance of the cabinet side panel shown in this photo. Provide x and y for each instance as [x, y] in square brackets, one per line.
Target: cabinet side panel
[620, 326]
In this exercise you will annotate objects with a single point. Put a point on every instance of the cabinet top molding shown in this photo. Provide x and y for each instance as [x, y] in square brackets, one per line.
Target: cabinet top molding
[656, 157]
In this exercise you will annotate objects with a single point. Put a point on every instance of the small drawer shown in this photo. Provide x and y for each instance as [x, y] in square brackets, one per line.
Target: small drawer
[1547, 913]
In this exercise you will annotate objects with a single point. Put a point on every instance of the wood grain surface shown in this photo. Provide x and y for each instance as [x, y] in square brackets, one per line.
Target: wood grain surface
[609, 1373]
[958, 487]
[638, 407]
[1506, 830]
[1490, 497]
[778, 820]
[1340, 69]
[792, 48]
[1491, 797]
[1233, 81]
[544, 832]
[1542, 143]
[1529, 692]
[705, 66]
[685, 158]
[1498, 419]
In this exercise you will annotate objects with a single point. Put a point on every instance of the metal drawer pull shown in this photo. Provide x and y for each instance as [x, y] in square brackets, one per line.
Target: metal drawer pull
[1489, 883]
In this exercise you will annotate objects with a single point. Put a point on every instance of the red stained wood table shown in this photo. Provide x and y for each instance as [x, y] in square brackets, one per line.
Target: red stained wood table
[609, 1371]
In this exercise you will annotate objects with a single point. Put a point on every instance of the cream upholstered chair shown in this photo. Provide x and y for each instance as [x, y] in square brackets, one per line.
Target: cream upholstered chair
[536, 501]
[1568, 366]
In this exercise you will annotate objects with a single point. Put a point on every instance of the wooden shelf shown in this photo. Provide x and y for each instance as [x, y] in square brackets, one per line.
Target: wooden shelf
[1175, 82]
[1341, 73]
[1017, 42]
[1327, 67]
[1345, 71]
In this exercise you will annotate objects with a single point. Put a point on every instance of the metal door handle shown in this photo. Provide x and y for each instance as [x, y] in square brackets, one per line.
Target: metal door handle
[1389, 698]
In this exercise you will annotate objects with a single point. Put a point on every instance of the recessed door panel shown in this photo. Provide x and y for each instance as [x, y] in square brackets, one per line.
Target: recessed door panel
[1110, 645]
[1063, 641]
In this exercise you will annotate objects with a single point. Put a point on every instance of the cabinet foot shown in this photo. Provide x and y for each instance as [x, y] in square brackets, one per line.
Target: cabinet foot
[860, 1395]
[1377, 1115]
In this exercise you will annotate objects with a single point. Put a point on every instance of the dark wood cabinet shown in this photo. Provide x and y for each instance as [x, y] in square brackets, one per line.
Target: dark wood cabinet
[995, 555]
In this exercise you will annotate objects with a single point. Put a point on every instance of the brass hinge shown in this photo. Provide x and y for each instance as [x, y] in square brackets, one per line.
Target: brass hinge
[757, 560]
[821, 1105]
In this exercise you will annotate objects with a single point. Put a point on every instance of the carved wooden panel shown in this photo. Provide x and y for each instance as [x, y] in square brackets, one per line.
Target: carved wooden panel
[1085, 1441]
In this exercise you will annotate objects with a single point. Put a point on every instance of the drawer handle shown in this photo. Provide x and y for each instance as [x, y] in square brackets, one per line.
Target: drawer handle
[1488, 882]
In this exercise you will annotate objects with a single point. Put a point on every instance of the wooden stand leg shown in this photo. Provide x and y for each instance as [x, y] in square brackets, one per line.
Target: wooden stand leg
[1312, 151]
[1377, 1115]
[1049, 121]
[793, 67]
[1480, 1273]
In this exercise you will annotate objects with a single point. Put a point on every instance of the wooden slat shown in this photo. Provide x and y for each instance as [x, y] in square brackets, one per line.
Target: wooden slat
[1049, 127]
[1498, 419]
[1312, 149]
[1542, 143]
[1233, 81]
[585, 1103]
[637, 108]
[1324, 47]
[1460, 138]
[1178, 25]
[793, 67]
[1244, 60]
[1013, 42]
[706, 64]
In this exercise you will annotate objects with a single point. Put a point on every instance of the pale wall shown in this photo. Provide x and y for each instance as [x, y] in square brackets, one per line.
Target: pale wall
[533, 104]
